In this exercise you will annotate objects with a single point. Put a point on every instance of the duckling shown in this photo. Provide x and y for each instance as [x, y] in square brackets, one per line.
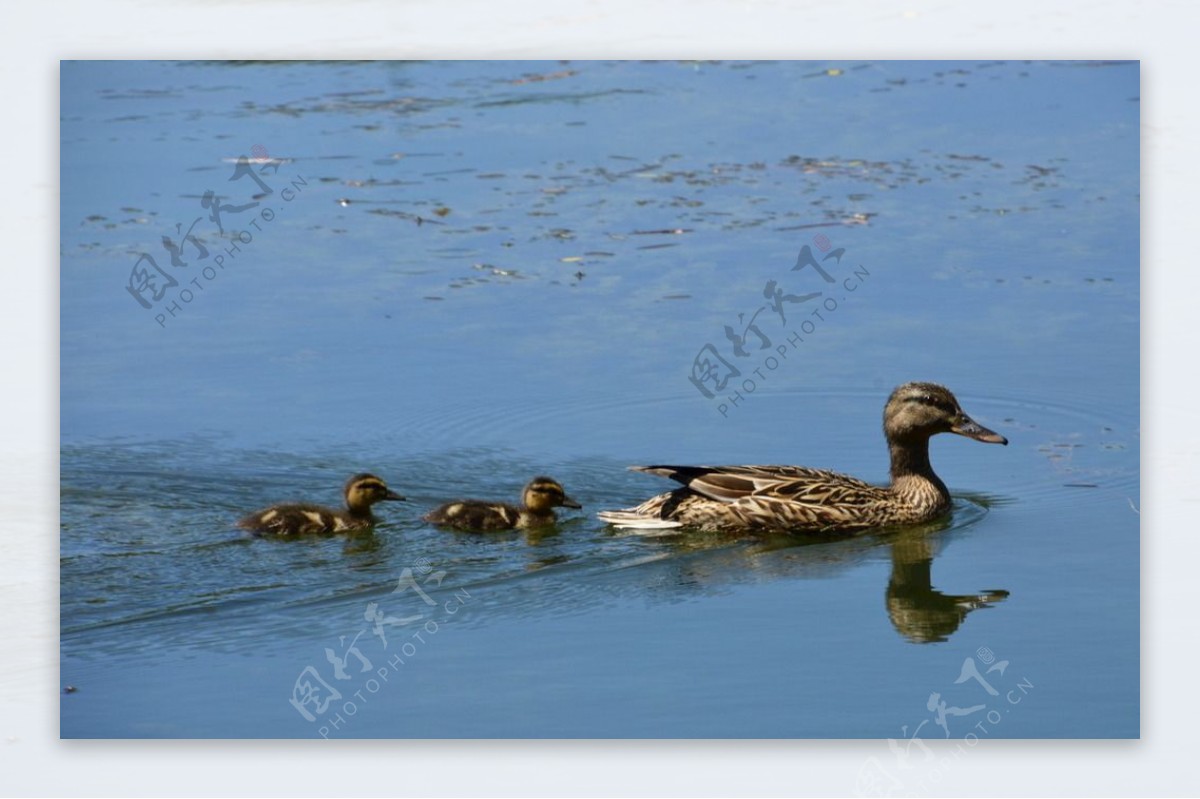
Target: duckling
[538, 501]
[361, 492]
[796, 499]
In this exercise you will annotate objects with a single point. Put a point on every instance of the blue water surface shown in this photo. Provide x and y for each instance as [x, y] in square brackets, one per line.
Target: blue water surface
[458, 275]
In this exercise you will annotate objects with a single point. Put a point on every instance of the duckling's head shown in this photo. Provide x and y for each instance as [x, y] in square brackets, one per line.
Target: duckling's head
[916, 411]
[364, 490]
[544, 493]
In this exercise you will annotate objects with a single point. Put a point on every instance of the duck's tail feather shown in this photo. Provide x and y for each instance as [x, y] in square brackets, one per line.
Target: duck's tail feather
[634, 520]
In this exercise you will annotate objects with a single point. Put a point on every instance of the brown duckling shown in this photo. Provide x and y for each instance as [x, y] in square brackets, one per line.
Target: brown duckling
[798, 499]
[538, 501]
[361, 492]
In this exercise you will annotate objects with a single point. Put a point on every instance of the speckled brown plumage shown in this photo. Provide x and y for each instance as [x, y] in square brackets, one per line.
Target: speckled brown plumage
[538, 501]
[361, 492]
[795, 498]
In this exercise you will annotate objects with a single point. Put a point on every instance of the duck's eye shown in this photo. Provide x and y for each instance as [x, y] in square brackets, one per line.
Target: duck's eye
[934, 402]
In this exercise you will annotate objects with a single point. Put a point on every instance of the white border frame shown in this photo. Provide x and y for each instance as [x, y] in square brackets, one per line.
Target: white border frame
[33, 760]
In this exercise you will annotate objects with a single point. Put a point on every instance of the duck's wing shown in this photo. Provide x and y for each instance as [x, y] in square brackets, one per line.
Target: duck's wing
[474, 514]
[788, 483]
[295, 520]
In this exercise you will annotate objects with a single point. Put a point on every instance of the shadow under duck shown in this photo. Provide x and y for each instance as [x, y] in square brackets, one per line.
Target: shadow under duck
[795, 498]
[538, 501]
[361, 492]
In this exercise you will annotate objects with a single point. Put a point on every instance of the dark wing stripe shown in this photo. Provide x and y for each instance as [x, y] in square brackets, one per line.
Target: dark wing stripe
[715, 482]
[681, 473]
[796, 483]
[723, 487]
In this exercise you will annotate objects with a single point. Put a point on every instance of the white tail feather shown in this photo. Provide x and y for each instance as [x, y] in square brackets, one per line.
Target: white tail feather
[631, 519]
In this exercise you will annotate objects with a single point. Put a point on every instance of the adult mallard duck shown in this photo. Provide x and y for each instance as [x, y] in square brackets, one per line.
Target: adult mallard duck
[538, 501]
[797, 499]
[361, 492]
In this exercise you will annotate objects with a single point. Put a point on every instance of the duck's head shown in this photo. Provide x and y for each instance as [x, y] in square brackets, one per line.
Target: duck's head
[544, 493]
[364, 490]
[916, 411]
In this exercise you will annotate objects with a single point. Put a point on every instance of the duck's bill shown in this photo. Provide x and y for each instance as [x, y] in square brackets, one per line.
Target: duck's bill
[393, 496]
[567, 502]
[966, 426]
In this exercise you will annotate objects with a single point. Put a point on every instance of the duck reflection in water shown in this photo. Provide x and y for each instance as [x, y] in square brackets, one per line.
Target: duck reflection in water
[920, 612]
